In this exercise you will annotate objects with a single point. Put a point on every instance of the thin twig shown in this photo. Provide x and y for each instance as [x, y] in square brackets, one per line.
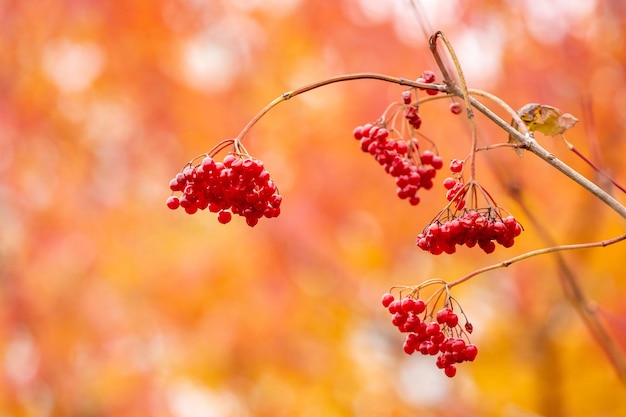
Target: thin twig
[340, 78]
[534, 253]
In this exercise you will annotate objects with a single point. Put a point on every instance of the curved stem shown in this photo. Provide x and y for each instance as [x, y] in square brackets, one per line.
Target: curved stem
[341, 78]
[533, 253]
[518, 121]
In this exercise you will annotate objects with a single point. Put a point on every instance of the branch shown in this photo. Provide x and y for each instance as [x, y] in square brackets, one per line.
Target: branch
[525, 142]
[534, 253]
[528, 143]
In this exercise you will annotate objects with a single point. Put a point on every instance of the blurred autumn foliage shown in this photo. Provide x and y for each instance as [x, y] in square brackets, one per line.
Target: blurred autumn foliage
[113, 305]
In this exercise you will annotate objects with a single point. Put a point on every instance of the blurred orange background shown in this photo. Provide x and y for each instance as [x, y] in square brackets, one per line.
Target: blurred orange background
[113, 305]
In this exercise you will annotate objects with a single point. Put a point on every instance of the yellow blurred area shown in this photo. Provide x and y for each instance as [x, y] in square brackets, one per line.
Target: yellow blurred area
[113, 305]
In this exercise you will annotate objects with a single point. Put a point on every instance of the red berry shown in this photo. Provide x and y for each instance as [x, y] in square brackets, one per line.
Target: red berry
[452, 320]
[401, 147]
[455, 108]
[399, 319]
[428, 76]
[394, 306]
[487, 246]
[443, 314]
[468, 327]
[458, 345]
[252, 221]
[174, 185]
[387, 299]
[437, 338]
[456, 165]
[419, 307]
[450, 371]
[427, 157]
[449, 183]
[406, 97]
[470, 352]
[188, 173]
[173, 202]
[432, 329]
[437, 162]
[229, 159]
[408, 304]
[424, 346]
[224, 216]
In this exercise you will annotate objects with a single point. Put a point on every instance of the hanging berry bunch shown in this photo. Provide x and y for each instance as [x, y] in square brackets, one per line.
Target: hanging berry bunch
[465, 222]
[239, 184]
[432, 333]
[393, 143]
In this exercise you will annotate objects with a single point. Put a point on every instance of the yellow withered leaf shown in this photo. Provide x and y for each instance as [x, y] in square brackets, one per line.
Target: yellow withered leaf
[544, 119]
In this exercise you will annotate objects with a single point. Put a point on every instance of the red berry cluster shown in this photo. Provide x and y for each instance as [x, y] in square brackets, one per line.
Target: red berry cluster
[238, 185]
[483, 227]
[442, 337]
[399, 157]
[411, 113]
[413, 117]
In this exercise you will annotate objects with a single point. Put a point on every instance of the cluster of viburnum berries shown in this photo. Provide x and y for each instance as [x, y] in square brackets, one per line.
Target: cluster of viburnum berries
[441, 336]
[482, 227]
[461, 224]
[237, 185]
[401, 157]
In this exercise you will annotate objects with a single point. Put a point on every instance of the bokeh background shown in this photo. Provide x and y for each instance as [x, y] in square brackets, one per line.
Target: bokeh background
[113, 305]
